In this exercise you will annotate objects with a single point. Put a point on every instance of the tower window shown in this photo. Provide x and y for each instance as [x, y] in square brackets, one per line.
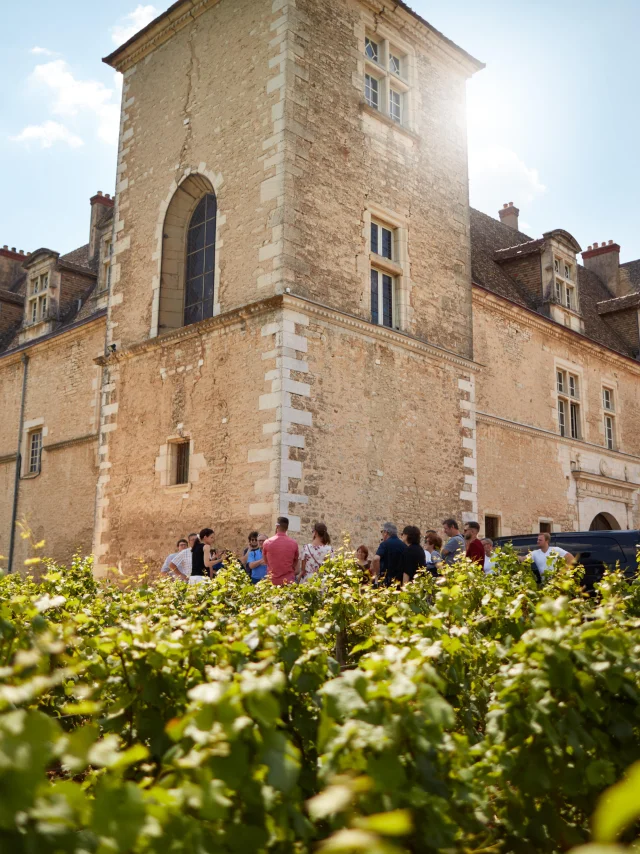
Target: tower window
[200, 266]
[395, 105]
[180, 453]
[371, 91]
[386, 87]
[372, 49]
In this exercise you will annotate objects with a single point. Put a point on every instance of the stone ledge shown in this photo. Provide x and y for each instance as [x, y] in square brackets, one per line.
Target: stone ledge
[540, 432]
[385, 120]
[300, 304]
[66, 443]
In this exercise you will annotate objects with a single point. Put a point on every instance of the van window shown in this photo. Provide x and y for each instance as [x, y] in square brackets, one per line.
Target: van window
[594, 553]
[522, 545]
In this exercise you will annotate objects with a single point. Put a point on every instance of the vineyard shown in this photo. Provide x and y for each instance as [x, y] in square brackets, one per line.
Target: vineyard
[468, 713]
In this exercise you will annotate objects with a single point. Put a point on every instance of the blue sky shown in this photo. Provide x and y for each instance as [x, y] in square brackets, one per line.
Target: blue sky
[553, 119]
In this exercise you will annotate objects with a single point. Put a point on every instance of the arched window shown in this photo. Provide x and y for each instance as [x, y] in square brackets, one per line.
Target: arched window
[201, 261]
[188, 264]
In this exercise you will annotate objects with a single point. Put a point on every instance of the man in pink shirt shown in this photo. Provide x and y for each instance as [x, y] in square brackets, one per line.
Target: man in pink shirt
[281, 555]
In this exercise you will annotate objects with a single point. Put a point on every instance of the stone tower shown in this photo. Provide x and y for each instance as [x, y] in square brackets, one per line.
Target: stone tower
[289, 327]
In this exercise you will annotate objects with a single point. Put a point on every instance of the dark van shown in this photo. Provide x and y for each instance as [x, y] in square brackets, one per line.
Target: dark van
[592, 549]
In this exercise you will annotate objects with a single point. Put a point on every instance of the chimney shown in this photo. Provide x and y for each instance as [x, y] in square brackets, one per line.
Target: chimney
[604, 261]
[509, 215]
[99, 204]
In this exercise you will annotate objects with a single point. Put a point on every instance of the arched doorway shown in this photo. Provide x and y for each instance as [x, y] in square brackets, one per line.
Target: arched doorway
[604, 522]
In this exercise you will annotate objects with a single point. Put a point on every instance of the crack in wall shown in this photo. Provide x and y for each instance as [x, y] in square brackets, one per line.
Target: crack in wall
[193, 75]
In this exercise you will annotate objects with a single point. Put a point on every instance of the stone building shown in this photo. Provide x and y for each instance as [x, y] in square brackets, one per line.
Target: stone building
[558, 395]
[303, 315]
[52, 327]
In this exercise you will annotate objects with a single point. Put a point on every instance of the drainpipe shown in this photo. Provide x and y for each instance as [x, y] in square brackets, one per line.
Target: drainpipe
[16, 483]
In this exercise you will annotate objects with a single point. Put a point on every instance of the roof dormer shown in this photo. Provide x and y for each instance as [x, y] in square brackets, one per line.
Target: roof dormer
[559, 266]
[42, 291]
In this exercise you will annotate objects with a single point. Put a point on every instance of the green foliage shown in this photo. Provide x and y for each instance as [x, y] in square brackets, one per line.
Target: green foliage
[468, 713]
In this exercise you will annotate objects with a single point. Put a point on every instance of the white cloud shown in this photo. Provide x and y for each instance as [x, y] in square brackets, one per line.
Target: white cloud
[47, 134]
[131, 23]
[42, 51]
[497, 171]
[73, 97]
[497, 175]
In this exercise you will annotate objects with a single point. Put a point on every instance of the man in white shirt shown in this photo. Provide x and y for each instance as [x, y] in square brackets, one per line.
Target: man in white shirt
[180, 546]
[545, 551]
[180, 564]
[489, 557]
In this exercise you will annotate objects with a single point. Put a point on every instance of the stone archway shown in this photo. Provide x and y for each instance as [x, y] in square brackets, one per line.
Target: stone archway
[604, 522]
[174, 238]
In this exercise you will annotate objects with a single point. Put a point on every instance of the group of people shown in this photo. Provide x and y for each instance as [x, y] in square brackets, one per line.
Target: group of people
[277, 558]
[398, 558]
[396, 561]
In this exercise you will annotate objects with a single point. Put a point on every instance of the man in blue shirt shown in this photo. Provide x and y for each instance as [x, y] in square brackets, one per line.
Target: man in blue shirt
[387, 564]
[255, 561]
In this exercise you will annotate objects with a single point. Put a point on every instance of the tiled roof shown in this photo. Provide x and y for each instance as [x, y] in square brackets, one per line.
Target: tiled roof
[488, 235]
[77, 260]
[519, 250]
[619, 303]
[107, 216]
[632, 268]
[491, 239]
[78, 257]
[591, 291]
[10, 296]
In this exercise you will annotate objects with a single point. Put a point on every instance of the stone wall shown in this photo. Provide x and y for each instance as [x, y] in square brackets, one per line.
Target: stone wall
[391, 430]
[352, 163]
[278, 130]
[276, 424]
[527, 473]
[198, 103]
[57, 505]
[201, 384]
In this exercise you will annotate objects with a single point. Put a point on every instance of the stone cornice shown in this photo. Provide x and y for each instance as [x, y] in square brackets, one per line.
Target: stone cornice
[296, 303]
[67, 443]
[70, 332]
[510, 309]
[211, 324]
[381, 333]
[8, 458]
[424, 32]
[177, 16]
[590, 477]
[541, 433]
[155, 34]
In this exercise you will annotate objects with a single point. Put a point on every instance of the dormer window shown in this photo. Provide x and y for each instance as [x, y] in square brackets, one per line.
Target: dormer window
[565, 291]
[38, 300]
